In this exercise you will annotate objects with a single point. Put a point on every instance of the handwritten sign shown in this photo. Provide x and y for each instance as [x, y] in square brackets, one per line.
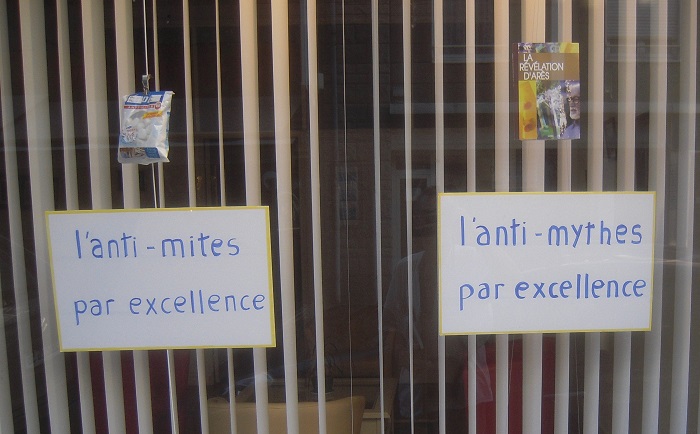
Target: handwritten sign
[545, 262]
[175, 278]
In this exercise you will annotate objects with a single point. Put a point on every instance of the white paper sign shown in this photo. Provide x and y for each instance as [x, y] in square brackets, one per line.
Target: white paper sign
[169, 278]
[545, 262]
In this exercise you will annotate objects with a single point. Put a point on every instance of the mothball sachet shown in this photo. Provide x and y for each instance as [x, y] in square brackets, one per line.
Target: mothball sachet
[143, 138]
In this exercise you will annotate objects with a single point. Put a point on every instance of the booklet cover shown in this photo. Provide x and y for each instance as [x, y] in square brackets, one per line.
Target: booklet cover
[549, 90]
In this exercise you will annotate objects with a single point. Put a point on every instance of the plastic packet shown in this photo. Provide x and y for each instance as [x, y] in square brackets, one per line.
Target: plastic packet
[143, 137]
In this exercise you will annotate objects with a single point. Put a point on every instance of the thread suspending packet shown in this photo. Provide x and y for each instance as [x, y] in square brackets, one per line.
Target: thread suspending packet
[143, 138]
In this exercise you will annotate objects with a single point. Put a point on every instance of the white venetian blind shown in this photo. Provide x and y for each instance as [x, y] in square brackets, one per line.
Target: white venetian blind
[274, 101]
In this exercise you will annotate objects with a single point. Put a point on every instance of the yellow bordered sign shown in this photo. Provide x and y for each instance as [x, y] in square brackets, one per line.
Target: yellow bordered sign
[545, 262]
[162, 278]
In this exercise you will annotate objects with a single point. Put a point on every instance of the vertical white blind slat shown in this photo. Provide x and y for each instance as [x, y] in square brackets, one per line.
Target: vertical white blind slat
[621, 382]
[202, 389]
[260, 367]
[501, 29]
[174, 423]
[251, 140]
[408, 164]
[124, 40]
[591, 386]
[470, 82]
[376, 135]
[187, 67]
[192, 193]
[312, 50]
[565, 31]
[442, 427]
[502, 384]
[533, 156]
[625, 182]
[626, 80]
[533, 20]
[596, 34]
[685, 214]
[222, 189]
[471, 390]
[156, 76]
[563, 184]
[280, 60]
[657, 182]
[114, 391]
[87, 407]
[438, 27]
[596, 95]
[98, 139]
[501, 48]
[96, 109]
[143, 391]
[123, 17]
[563, 340]
[231, 386]
[39, 146]
[219, 108]
[249, 87]
[154, 58]
[160, 203]
[19, 279]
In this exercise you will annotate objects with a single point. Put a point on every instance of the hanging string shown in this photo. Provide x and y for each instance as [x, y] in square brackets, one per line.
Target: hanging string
[146, 87]
[145, 38]
[155, 193]
[156, 76]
